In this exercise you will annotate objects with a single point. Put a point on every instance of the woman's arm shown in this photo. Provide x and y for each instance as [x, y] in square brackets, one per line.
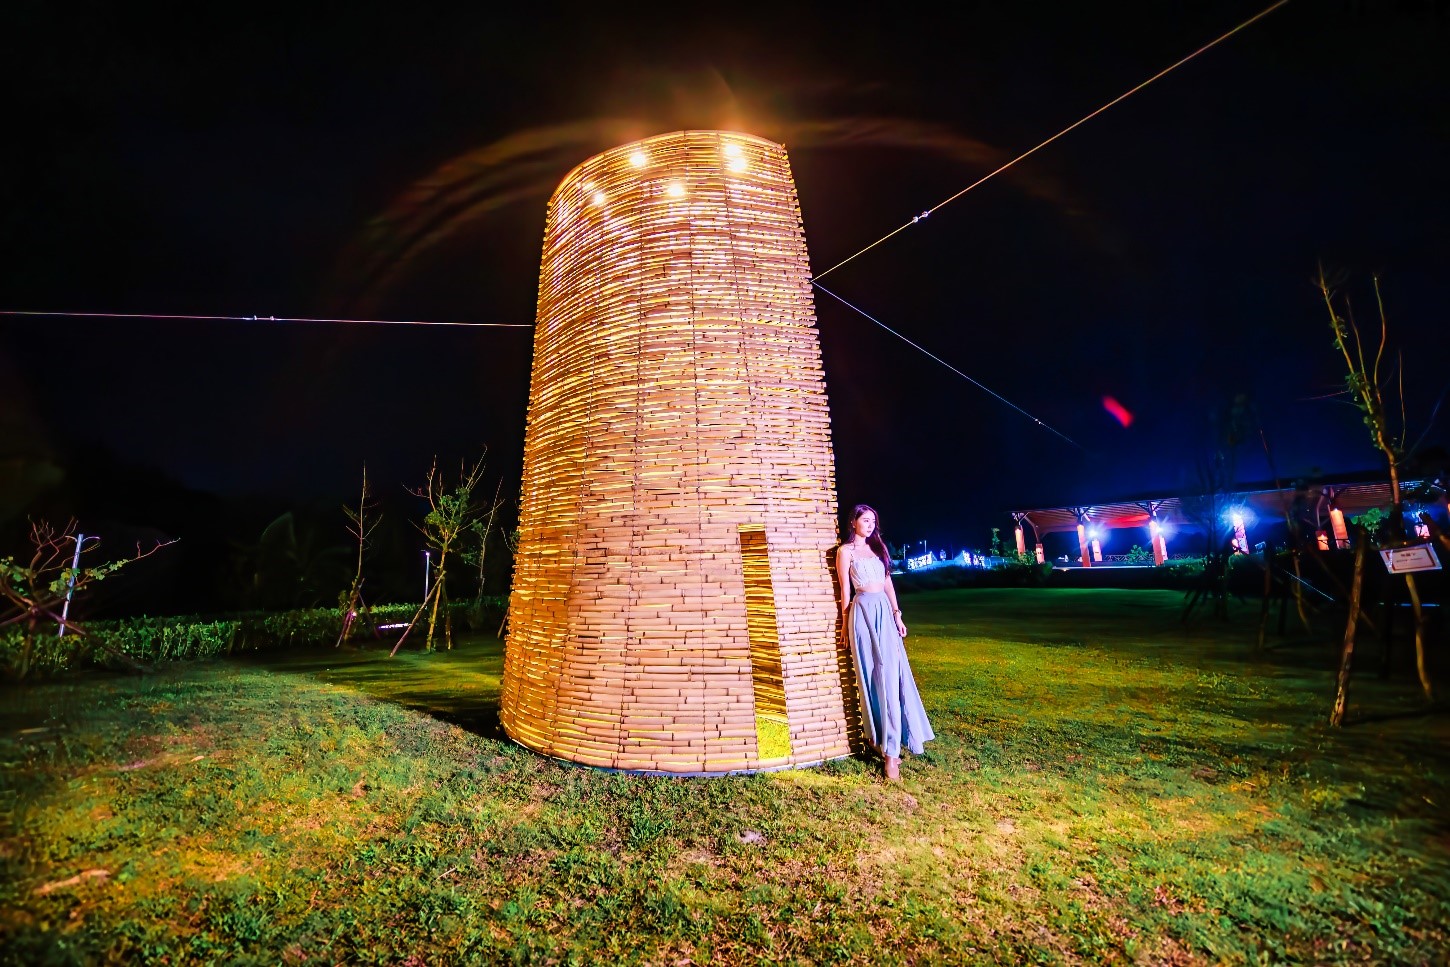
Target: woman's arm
[895, 608]
[843, 575]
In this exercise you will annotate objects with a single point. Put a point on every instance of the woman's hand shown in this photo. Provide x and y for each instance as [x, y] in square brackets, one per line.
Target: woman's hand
[900, 626]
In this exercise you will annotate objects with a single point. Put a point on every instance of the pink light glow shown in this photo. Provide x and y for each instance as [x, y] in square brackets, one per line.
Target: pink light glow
[1118, 411]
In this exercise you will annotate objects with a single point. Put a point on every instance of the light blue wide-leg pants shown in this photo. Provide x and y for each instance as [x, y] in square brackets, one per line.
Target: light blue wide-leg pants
[891, 709]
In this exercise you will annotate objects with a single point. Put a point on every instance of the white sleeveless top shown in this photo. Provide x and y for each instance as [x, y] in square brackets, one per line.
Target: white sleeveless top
[866, 569]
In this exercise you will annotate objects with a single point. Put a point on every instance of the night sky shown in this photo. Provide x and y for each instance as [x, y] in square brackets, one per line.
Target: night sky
[396, 165]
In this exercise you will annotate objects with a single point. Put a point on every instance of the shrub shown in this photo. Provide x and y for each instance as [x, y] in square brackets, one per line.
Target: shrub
[154, 639]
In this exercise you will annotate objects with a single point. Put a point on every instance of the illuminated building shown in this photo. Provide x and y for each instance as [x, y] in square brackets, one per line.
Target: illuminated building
[673, 608]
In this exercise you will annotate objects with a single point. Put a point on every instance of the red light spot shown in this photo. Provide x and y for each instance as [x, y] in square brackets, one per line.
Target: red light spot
[1118, 411]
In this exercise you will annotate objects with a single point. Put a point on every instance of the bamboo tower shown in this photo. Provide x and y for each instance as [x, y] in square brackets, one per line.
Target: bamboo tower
[673, 609]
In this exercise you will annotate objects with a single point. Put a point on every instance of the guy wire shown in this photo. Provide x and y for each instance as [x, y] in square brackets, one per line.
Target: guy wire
[1121, 97]
[172, 317]
[948, 365]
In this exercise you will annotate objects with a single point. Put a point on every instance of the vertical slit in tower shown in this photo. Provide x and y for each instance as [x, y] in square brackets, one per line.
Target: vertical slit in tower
[772, 731]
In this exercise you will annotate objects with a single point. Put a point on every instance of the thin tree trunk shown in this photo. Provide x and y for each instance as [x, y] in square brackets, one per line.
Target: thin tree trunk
[1346, 653]
[1299, 593]
[447, 621]
[437, 597]
[365, 610]
[1294, 551]
[346, 625]
[1419, 639]
[349, 612]
[1268, 594]
[28, 649]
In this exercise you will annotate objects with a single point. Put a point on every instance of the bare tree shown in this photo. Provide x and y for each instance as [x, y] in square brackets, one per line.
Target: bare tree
[1296, 554]
[1366, 390]
[35, 592]
[451, 513]
[1218, 475]
[361, 523]
[511, 543]
[481, 530]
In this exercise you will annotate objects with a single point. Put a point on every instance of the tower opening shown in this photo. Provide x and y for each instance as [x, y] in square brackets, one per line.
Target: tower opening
[767, 679]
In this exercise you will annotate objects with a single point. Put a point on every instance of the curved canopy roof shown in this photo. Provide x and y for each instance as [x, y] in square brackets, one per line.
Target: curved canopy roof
[1312, 501]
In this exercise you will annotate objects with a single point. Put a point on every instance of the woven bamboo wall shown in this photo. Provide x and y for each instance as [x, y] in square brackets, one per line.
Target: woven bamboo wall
[677, 426]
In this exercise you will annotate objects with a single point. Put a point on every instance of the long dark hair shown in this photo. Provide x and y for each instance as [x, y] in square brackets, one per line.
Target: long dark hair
[875, 541]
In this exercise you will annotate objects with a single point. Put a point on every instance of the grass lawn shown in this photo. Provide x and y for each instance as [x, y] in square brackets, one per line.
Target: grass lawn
[1108, 785]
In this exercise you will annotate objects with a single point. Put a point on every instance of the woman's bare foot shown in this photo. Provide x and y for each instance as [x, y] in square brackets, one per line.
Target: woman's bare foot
[893, 769]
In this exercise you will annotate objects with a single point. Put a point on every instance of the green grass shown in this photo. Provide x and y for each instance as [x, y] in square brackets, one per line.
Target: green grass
[1108, 785]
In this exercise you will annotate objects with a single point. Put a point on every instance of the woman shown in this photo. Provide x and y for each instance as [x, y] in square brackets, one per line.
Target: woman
[891, 710]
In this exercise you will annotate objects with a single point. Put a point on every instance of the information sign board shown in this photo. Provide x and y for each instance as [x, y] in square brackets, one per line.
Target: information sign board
[1410, 558]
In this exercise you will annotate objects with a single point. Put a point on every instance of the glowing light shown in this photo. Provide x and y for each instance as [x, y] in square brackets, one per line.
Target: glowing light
[639, 159]
[735, 157]
[1118, 411]
[676, 189]
[598, 199]
[1341, 531]
[1240, 517]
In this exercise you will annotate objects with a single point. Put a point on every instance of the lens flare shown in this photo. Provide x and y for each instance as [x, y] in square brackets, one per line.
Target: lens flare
[1118, 411]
